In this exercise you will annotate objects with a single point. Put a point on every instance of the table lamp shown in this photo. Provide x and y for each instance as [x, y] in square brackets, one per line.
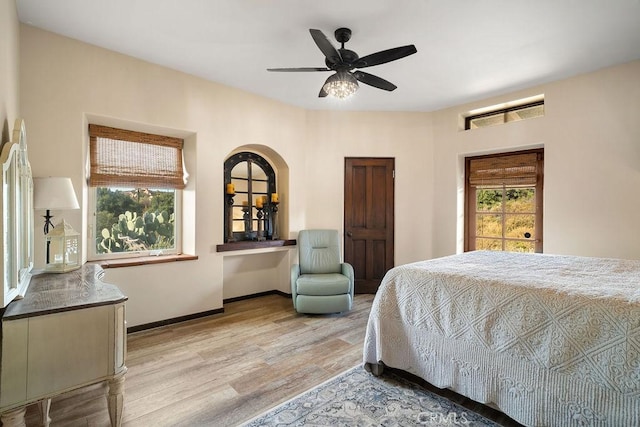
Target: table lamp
[62, 243]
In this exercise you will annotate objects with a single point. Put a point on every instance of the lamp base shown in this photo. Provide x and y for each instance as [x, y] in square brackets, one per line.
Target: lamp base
[63, 249]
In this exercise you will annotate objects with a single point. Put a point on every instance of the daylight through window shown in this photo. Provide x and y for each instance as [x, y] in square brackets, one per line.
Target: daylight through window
[505, 115]
[504, 202]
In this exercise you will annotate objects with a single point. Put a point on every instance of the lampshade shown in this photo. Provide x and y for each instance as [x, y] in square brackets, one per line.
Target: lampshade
[54, 193]
[341, 85]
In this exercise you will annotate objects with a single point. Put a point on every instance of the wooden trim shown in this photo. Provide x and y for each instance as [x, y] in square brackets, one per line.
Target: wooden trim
[250, 244]
[470, 198]
[259, 294]
[144, 260]
[174, 320]
[539, 204]
[504, 111]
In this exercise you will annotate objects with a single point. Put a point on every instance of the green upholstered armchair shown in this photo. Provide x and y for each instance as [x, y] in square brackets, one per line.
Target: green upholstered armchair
[321, 283]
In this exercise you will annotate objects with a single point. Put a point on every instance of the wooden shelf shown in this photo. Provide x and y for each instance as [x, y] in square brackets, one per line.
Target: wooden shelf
[132, 262]
[250, 244]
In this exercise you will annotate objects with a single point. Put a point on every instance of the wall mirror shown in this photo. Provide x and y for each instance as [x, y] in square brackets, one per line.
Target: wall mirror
[17, 215]
[250, 198]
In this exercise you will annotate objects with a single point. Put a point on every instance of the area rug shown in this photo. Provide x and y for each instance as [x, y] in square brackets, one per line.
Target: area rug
[358, 398]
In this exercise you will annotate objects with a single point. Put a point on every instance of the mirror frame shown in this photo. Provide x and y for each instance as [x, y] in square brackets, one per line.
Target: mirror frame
[250, 230]
[16, 204]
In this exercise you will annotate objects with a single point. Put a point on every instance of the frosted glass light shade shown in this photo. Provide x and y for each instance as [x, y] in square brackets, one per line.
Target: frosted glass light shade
[54, 193]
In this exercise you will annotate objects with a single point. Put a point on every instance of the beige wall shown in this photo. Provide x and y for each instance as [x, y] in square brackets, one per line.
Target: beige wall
[334, 135]
[65, 83]
[591, 138]
[9, 66]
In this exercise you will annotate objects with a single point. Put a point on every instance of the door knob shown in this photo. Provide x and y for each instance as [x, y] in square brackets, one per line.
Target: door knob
[350, 234]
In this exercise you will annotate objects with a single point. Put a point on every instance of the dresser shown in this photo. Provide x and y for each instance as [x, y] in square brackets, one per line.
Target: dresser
[67, 332]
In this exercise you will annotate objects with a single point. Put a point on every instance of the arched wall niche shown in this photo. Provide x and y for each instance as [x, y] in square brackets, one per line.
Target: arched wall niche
[281, 169]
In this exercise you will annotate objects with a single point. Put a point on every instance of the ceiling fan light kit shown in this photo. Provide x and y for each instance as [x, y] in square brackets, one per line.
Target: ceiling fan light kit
[341, 85]
[344, 62]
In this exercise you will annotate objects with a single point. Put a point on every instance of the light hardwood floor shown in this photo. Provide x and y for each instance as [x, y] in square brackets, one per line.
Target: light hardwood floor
[223, 369]
[227, 368]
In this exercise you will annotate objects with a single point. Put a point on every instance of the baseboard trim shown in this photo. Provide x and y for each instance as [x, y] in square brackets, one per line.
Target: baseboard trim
[171, 321]
[180, 319]
[259, 294]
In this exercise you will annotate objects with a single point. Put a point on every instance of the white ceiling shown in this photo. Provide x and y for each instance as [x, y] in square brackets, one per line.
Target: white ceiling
[467, 50]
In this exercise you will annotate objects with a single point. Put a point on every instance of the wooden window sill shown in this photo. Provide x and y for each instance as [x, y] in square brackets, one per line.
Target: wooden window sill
[145, 260]
[250, 244]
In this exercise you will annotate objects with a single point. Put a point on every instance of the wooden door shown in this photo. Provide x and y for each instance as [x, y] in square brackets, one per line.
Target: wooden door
[368, 219]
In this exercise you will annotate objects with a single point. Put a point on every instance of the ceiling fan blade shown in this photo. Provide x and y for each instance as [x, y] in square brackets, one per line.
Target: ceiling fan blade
[374, 81]
[299, 69]
[385, 56]
[330, 52]
[323, 93]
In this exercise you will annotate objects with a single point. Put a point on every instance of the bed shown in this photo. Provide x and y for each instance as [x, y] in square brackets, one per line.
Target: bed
[549, 340]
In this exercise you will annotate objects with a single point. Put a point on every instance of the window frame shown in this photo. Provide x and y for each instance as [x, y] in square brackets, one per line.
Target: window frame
[176, 187]
[503, 111]
[93, 255]
[471, 196]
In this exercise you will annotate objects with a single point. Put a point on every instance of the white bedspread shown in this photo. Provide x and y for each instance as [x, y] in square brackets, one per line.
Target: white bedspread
[550, 340]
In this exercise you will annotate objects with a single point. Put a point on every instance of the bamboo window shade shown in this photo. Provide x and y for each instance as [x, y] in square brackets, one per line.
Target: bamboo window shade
[510, 170]
[124, 158]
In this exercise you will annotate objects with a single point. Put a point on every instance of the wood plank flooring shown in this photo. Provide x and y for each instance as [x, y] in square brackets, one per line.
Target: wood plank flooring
[224, 369]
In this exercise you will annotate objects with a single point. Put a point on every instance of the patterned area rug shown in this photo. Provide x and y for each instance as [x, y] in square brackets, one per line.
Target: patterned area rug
[358, 398]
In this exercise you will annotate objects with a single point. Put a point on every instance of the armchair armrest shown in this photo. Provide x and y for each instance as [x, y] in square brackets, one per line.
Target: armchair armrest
[347, 270]
[295, 273]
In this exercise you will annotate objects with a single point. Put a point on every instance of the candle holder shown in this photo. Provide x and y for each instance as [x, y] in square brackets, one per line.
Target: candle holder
[267, 222]
[230, 237]
[260, 214]
[274, 221]
[246, 216]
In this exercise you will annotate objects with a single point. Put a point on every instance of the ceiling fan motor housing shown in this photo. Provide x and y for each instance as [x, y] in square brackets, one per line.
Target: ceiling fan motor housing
[343, 35]
[348, 58]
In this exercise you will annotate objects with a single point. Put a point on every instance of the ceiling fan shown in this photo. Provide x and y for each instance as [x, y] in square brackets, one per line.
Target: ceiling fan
[346, 64]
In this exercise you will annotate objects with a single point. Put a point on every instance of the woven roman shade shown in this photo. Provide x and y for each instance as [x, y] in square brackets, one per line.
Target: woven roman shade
[510, 170]
[124, 158]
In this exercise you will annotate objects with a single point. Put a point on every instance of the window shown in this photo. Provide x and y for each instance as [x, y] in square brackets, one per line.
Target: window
[135, 181]
[251, 200]
[503, 207]
[505, 115]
